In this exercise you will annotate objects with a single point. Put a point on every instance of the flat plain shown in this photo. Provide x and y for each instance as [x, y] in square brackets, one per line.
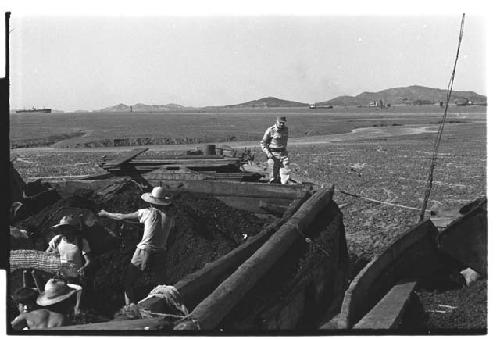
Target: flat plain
[191, 127]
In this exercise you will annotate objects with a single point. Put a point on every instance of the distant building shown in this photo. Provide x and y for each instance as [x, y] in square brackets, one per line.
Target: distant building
[463, 102]
[314, 106]
[377, 103]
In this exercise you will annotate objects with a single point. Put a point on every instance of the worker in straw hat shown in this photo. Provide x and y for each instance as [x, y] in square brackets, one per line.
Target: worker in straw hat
[73, 249]
[54, 305]
[274, 145]
[158, 222]
[31, 315]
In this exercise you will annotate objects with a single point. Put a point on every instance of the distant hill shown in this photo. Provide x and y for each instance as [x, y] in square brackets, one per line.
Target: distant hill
[141, 108]
[266, 103]
[412, 95]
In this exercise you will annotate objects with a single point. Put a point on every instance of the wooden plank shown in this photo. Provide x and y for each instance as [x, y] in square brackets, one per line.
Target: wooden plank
[208, 314]
[251, 204]
[388, 312]
[191, 165]
[124, 158]
[188, 164]
[194, 156]
[184, 160]
[241, 189]
[119, 325]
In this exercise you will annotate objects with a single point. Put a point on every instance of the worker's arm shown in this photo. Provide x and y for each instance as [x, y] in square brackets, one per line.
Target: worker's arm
[52, 248]
[285, 138]
[264, 144]
[119, 216]
[19, 322]
[77, 305]
[87, 260]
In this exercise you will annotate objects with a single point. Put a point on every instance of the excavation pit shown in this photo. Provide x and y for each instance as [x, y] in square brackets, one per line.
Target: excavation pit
[210, 241]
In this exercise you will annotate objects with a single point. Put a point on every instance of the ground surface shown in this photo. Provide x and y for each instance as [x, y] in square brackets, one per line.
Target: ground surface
[112, 129]
[389, 169]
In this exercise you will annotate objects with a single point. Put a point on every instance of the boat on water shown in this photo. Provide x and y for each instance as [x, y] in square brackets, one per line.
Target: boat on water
[35, 110]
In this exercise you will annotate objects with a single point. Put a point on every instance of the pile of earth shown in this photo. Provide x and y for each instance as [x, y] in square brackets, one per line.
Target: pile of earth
[460, 309]
[205, 229]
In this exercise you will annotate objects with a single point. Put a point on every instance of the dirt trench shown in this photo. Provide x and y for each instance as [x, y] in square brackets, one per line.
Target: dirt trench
[205, 229]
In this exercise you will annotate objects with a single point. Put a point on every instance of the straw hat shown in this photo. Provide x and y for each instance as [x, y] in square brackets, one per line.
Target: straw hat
[56, 291]
[67, 220]
[158, 196]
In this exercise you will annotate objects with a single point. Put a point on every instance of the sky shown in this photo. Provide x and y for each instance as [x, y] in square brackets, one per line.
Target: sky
[73, 61]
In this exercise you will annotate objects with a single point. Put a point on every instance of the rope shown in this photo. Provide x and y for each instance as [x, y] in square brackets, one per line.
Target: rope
[376, 201]
[437, 140]
[190, 318]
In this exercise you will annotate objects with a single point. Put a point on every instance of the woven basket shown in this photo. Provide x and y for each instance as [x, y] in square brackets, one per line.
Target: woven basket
[32, 259]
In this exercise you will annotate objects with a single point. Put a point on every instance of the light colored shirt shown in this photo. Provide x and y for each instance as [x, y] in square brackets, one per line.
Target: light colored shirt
[157, 227]
[274, 138]
[69, 253]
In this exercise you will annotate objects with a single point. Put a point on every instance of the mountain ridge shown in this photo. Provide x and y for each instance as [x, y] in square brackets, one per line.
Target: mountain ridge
[140, 107]
[410, 95]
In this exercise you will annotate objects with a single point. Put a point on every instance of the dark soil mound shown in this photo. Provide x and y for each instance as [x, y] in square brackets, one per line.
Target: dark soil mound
[457, 310]
[205, 229]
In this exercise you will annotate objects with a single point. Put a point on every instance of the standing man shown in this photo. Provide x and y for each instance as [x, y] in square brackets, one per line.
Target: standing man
[274, 145]
[158, 222]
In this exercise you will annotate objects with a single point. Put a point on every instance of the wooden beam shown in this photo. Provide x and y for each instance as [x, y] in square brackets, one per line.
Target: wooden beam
[389, 311]
[210, 312]
[154, 324]
[185, 160]
[272, 208]
[194, 156]
[240, 189]
[124, 158]
[196, 285]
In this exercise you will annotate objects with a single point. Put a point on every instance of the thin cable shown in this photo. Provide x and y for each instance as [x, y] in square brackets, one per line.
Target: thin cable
[437, 140]
[376, 201]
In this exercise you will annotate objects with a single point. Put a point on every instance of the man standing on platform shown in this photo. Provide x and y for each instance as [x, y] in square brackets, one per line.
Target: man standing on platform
[274, 145]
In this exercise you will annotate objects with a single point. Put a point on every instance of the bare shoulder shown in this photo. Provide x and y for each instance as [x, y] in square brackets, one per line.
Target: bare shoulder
[56, 320]
[45, 318]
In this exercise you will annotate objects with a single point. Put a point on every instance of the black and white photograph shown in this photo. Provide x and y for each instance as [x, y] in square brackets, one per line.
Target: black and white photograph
[276, 168]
